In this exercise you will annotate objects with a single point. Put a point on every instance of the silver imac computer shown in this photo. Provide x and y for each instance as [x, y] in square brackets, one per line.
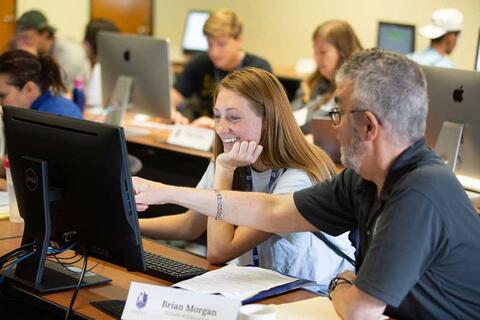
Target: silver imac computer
[193, 40]
[135, 72]
[477, 56]
[397, 37]
[453, 122]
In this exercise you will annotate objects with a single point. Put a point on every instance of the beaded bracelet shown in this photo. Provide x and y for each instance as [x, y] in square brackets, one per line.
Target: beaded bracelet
[219, 215]
[335, 282]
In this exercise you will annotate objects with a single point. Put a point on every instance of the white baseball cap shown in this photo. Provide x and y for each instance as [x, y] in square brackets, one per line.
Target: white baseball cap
[443, 21]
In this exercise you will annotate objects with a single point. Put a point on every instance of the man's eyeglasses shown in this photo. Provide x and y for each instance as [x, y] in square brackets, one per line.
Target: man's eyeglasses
[336, 115]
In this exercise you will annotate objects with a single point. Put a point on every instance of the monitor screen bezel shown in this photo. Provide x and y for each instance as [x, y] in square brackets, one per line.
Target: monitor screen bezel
[401, 25]
[185, 25]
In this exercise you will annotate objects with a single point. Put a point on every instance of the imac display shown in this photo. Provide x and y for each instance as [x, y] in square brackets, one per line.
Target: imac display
[193, 38]
[454, 115]
[135, 71]
[396, 37]
[73, 186]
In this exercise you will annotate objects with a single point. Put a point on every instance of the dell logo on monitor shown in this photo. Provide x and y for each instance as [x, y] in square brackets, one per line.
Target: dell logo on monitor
[458, 94]
[31, 179]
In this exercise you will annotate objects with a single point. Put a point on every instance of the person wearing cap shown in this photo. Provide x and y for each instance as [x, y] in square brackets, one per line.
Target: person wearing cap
[200, 76]
[443, 32]
[34, 34]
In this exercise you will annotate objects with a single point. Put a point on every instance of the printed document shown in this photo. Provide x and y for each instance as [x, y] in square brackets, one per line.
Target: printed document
[236, 281]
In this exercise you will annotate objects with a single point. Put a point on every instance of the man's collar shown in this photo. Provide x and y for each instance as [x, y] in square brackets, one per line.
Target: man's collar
[406, 161]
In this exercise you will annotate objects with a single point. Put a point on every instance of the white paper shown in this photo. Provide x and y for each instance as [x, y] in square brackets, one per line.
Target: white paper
[235, 281]
[301, 116]
[146, 301]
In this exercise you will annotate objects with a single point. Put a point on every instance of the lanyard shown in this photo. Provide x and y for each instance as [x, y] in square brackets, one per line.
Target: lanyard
[249, 187]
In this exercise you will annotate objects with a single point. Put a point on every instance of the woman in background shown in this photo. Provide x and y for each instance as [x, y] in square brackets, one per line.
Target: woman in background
[28, 81]
[94, 86]
[334, 42]
[258, 147]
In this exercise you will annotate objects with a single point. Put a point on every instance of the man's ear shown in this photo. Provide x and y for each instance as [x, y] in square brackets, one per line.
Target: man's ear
[372, 126]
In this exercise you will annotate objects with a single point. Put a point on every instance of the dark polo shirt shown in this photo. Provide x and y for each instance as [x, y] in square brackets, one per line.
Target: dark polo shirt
[200, 77]
[420, 239]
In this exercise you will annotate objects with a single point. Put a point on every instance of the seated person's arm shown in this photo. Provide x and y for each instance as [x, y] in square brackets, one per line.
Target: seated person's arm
[226, 241]
[271, 213]
[185, 226]
[177, 99]
[352, 303]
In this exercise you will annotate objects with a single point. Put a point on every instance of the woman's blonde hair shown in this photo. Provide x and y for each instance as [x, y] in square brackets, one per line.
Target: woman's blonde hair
[223, 22]
[339, 34]
[284, 145]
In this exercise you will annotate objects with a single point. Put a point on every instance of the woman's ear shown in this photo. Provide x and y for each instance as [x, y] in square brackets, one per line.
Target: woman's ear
[31, 91]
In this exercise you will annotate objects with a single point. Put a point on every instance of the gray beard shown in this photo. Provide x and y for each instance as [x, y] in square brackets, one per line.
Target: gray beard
[350, 154]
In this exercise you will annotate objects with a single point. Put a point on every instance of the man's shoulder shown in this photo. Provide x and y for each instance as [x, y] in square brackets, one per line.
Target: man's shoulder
[435, 183]
[426, 172]
[252, 60]
[200, 59]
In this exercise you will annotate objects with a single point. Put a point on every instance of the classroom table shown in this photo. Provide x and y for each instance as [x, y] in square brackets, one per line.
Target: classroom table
[56, 303]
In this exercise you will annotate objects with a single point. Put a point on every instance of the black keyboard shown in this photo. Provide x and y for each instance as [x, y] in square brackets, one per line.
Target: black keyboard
[112, 307]
[170, 270]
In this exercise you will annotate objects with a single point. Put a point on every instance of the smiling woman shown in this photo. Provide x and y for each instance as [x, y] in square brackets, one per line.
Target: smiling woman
[258, 147]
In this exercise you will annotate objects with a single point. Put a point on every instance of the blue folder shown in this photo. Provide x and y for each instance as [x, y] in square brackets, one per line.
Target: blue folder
[275, 291]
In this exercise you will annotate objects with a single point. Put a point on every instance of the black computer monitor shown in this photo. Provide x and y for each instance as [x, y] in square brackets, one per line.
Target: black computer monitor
[397, 37]
[135, 70]
[193, 39]
[73, 185]
[453, 122]
[477, 57]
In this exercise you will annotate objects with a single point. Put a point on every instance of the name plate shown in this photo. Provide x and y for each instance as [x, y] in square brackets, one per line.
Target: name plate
[146, 301]
[192, 137]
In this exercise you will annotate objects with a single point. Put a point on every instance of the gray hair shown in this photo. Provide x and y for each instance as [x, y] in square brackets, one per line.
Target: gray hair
[391, 86]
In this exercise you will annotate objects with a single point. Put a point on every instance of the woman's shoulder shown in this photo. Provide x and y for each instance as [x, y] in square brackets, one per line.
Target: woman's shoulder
[293, 179]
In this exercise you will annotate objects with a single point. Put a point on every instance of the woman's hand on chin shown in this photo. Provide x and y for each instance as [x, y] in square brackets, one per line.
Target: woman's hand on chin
[242, 154]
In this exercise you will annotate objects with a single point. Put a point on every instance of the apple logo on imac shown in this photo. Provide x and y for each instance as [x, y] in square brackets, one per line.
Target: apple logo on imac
[458, 94]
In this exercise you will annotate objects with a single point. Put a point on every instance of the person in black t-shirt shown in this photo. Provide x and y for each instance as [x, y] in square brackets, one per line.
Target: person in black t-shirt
[419, 248]
[193, 88]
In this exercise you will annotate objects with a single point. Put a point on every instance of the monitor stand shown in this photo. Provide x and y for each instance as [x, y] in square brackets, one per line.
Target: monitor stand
[119, 101]
[448, 143]
[35, 272]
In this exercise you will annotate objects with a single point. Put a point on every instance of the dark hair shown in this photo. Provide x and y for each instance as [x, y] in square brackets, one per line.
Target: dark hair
[95, 26]
[22, 66]
[442, 37]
